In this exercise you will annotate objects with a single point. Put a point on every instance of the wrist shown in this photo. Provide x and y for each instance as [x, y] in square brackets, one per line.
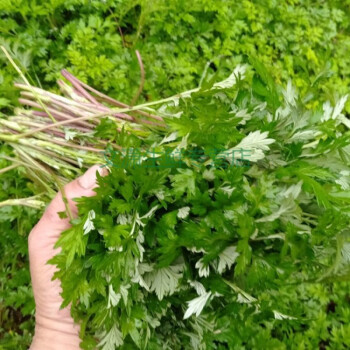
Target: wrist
[55, 335]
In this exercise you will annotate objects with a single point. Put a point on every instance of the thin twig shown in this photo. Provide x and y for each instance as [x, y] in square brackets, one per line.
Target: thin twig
[8, 168]
[120, 30]
[64, 122]
[116, 102]
[76, 83]
[142, 81]
[84, 126]
[25, 80]
[73, 145]
[31, 202]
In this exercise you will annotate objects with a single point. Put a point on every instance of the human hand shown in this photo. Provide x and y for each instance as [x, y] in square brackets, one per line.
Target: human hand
[54, 327]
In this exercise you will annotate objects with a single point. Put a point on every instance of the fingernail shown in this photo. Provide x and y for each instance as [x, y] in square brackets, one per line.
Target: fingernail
[88, 180]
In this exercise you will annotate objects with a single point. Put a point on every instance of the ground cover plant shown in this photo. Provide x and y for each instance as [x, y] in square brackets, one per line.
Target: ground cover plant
[230, 207]
[96, 41]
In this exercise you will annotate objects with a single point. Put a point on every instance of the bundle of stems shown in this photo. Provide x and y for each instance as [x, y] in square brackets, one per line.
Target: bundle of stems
[54, 138]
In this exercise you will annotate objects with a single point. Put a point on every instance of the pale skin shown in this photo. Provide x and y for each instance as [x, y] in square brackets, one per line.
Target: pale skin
[54, 327]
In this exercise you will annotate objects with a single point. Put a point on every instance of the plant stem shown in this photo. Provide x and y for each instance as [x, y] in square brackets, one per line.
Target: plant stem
[8, 168]
[142, 81]
[112, 100]
[31, 202]
[25, 80]
[123, 110]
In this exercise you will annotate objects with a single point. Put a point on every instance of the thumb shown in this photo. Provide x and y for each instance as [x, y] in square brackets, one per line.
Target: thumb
[84, 186]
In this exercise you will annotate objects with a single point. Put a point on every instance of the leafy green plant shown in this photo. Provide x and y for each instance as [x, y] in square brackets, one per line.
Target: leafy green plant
[216, 253]
[96, 41]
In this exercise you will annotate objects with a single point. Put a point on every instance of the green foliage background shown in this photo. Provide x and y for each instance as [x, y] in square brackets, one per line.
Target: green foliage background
[96, 40]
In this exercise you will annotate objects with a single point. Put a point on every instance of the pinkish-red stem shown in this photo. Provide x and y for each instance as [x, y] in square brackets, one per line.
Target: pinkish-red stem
[77, 84]
[107, 98]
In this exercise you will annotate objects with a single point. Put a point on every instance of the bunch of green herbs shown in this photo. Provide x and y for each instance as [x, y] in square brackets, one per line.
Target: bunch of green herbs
[217, 252]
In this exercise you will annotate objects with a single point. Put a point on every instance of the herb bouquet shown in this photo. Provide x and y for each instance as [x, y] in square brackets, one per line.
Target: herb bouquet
[218, 213]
